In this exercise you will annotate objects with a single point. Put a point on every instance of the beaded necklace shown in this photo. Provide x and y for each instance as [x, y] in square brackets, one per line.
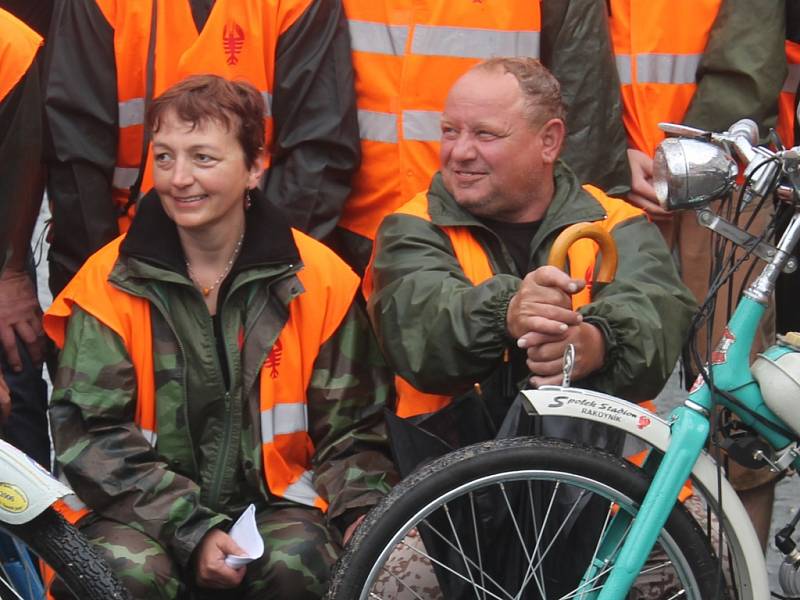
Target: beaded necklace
[207, 290]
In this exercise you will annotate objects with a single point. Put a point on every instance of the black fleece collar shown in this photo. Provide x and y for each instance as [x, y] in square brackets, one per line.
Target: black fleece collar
[153, 236]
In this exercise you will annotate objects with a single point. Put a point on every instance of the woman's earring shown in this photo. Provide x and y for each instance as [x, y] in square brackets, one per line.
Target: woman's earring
[248, 199]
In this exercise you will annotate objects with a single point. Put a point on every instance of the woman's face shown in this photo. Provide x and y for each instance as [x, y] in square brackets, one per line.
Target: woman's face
[200, 173]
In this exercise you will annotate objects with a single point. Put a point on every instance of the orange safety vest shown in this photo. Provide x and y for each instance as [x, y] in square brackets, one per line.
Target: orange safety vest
[314, 316]
[786, 109]
[475, 263]
[18, 47]
[406, 57]
[238, 41]
[657, 63]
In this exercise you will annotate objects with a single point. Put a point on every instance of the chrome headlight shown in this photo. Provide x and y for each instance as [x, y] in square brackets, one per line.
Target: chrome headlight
[690, 173]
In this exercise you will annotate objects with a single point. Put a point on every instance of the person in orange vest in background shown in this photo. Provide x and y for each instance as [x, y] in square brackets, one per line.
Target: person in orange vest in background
[213, 359]
[705, 64]
[788, 284]
[22, 340]
[407, 55]
[107, 59]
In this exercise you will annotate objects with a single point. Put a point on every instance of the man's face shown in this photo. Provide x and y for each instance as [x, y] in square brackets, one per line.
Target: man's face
[491, 158]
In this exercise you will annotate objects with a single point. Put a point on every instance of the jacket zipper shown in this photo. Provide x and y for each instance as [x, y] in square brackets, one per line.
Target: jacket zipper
[224, 453]
[223, 456]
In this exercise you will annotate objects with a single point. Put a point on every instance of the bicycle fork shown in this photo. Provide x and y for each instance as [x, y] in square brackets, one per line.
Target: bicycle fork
[689, 434]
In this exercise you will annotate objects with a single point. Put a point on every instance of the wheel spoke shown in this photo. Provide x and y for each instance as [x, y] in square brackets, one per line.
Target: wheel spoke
[477, 540]
[461, 549]
[563, 524]
[433, 559]
[530, 571]
[5, 583]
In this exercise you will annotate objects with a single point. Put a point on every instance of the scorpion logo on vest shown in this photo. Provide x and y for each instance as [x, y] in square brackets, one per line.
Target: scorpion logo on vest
[232, 41]
[274, 359]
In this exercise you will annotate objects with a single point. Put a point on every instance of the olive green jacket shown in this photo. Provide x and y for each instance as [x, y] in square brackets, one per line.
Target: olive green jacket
[576, 47]
[743, 66]
[206, 465]
[443, 334]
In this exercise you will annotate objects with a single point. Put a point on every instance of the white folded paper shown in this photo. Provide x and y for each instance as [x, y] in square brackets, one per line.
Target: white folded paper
[245, 533]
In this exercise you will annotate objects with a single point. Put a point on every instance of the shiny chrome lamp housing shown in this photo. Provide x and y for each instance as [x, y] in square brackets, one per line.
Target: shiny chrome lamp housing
[690, 173]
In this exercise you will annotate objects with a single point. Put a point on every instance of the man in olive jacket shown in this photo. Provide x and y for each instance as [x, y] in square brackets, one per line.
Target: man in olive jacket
[501, 198]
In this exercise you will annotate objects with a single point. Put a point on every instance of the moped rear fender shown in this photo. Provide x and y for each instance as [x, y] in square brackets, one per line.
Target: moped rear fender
[655, 432]
[26, 489]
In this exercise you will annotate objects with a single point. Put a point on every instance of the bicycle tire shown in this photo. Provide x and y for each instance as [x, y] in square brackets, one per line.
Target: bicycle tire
[462, 476]
[84, 573]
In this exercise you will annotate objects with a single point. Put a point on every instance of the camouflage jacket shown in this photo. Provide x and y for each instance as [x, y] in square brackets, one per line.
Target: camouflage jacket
[206, 465]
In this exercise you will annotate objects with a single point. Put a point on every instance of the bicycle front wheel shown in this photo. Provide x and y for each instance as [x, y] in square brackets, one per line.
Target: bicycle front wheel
[78, 567]
[519, 518]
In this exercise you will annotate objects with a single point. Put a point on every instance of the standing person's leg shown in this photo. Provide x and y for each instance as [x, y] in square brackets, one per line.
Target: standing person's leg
[694, 244]
[756, 488]
[26, 427]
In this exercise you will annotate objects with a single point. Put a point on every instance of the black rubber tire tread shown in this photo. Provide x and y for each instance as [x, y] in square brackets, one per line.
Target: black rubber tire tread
[70, 555]
[479, 460]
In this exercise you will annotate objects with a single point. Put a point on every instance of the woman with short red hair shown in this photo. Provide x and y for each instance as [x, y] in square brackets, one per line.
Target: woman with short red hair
[211, 359]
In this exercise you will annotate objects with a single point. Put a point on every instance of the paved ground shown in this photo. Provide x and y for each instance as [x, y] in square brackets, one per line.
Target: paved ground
[788, 492]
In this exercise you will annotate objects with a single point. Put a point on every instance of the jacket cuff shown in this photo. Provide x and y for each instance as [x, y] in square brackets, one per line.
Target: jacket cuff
[188, 537]
[612, 348]
[501, 314]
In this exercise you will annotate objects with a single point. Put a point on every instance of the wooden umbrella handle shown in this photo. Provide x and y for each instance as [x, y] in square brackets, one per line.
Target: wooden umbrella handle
[608, 248]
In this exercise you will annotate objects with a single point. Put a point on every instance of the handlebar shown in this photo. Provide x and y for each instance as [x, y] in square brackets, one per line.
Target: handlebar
[690, 173]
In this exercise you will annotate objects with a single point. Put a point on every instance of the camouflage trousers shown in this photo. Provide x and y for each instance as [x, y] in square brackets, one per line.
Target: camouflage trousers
[299, 552]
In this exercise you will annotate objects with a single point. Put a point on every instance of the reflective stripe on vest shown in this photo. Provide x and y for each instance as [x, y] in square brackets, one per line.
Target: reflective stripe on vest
[314, 316]
[440, 40]
[124, 177]
[406, 60]
[283, 419]
[624, 69]
[18, 47]
[377, 126]
[422, 125]
[657, 64]
[468, 42]
[477, 268]
[302, 491]
[786, 100]
[658, 68]
[150, 435]
[238, 41]
[377, 38]
[418, 125]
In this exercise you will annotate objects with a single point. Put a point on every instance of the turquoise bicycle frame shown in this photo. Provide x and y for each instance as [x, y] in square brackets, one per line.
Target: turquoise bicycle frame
[730, 372]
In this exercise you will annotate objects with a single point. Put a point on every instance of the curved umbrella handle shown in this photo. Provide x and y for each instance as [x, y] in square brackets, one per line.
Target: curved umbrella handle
[608, 248]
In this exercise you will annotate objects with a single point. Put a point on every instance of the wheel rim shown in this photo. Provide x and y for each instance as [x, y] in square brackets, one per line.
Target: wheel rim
[533, 582]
